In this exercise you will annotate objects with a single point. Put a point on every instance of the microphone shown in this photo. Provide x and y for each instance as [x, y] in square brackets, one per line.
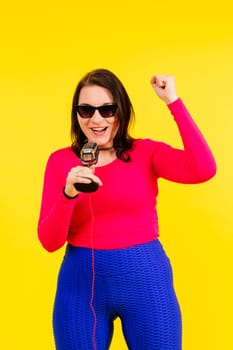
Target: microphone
[89, 156]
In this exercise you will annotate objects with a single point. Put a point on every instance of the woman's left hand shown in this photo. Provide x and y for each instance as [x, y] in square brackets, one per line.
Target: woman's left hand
[164, 86]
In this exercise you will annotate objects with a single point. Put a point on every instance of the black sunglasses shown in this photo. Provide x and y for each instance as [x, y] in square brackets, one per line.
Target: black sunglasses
[87, 111]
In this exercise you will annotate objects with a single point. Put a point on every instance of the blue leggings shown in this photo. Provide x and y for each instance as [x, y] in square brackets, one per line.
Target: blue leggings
[134, 284]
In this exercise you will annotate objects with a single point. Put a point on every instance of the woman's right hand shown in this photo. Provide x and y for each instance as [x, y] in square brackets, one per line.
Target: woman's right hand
[80, 174]
[164, 86]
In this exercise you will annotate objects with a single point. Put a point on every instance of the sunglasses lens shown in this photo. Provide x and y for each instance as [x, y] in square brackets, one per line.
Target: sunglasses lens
[85, 111]
[108, 110]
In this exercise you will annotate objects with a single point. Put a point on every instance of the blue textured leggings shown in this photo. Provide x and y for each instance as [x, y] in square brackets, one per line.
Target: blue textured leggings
[134, 284]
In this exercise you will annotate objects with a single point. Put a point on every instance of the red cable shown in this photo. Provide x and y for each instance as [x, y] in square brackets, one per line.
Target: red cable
[93, 274]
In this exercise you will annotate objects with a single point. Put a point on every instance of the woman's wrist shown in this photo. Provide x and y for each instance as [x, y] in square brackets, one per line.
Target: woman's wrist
[171, 100]
[69, 196]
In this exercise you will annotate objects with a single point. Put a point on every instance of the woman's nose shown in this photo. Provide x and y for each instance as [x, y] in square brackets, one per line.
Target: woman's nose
[96, 116]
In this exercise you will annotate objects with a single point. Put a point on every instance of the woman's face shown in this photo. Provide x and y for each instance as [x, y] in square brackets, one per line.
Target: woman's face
[98, 129]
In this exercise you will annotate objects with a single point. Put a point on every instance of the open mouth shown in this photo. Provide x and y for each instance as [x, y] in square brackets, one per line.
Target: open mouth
[98, 131]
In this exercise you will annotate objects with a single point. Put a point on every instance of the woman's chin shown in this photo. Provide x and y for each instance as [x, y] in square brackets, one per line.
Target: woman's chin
[103, 143]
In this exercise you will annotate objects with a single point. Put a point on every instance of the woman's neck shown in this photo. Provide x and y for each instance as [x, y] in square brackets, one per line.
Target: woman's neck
[106, 156]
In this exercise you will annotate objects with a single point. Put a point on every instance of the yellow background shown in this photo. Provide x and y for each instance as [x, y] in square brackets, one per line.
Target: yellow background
[45, 49]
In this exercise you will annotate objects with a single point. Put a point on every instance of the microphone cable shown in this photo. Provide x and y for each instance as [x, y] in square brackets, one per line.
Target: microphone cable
[93, 272]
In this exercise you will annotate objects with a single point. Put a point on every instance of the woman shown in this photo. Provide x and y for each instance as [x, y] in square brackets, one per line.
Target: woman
[115, 265]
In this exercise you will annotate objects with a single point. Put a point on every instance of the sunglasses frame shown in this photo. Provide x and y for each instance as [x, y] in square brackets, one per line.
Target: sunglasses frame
[101, 109]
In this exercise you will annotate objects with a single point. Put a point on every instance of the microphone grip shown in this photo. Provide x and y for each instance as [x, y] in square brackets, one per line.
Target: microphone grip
[91, 187]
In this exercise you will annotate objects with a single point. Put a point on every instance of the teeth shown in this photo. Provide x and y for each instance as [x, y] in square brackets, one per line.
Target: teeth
[98, 129]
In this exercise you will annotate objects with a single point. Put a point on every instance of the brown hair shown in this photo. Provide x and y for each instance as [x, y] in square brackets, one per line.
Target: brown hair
[122, 141]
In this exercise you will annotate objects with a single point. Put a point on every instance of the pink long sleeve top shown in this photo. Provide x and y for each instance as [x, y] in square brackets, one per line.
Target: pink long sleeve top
[122, 212]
